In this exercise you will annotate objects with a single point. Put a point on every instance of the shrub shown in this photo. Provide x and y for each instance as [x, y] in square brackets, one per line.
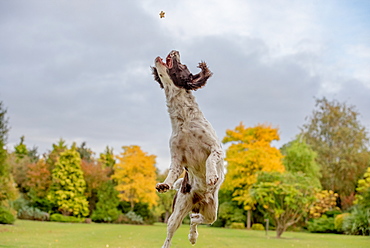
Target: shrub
[63, 218]
[229, 212]
[338, 222]
[322, 225]
[134, 218]
[20, 203]
[237, 225]
[141, 209]
[6, 217]
[100, 215]
[31, 213]
[358, 222]
[258, 226]
[219, 223]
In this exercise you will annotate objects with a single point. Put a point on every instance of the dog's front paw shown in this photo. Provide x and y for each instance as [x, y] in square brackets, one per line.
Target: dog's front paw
[212, 179]
[162, 187]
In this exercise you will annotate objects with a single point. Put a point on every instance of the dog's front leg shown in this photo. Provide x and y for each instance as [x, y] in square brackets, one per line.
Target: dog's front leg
[175, 171]
[214, 158]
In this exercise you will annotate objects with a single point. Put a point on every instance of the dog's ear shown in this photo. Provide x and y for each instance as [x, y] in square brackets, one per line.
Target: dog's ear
[156, 76]
[197, 81]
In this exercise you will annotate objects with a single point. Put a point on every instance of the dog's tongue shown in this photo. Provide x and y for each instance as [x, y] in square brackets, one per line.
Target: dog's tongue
[169, 62]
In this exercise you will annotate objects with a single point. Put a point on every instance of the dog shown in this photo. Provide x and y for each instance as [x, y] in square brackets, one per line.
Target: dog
[194, 147]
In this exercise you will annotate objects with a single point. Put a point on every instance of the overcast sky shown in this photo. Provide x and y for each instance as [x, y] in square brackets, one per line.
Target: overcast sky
[80, 70]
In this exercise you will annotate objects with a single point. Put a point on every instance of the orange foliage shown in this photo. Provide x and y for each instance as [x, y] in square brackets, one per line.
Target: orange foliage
[95, 175]
[39, 178]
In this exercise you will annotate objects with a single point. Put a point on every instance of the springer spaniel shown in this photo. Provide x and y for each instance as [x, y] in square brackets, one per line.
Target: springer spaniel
[194, 146]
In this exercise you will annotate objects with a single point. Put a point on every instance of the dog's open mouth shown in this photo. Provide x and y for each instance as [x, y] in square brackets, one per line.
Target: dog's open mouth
[169, 61]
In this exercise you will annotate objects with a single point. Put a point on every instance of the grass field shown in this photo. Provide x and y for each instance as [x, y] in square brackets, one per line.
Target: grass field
[51, 234]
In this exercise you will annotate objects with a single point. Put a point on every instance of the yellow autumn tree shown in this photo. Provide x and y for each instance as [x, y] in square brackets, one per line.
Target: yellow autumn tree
[135, 174]
[249, 153]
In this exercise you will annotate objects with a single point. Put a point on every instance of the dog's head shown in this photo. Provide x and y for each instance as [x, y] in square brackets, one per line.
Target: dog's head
[173, 72]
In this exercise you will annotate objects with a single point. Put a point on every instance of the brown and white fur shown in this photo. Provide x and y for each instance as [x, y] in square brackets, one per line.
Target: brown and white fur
[194, 146]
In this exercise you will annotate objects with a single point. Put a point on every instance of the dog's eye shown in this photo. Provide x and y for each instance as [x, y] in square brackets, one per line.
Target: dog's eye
[160, 75]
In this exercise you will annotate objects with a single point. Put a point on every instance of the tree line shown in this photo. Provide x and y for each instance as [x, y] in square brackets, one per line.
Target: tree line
[319, 181]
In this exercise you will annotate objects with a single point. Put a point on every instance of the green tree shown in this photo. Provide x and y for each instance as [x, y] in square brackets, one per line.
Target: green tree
[284, 197]
[68, 187]
[107, 158]
[106, 208]
[335, 133]
[299, 157]
[249, 153]
[8, 192]
[85, 153]
[54, 154]
[21, 150]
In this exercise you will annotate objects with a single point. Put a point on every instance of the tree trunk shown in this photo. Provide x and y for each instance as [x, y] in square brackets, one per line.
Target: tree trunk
[279, 230]
[249, 215]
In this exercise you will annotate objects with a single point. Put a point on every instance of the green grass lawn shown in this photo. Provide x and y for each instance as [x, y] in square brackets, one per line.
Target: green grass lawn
[51, 234]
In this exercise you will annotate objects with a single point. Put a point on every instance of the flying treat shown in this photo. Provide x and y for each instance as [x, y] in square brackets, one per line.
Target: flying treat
[161, 14]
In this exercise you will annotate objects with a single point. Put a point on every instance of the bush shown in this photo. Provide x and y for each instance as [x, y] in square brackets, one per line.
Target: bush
[322, 225]
[20, 203]
[338, 222]
[134, 218]
[258, 226]
[110, 215]
[141, 209]
[237, 225]
[63, 218]
[358, 222]
[31, 213]
[219, 223]
[6, 217]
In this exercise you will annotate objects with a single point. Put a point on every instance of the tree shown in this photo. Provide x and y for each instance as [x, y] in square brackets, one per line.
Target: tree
[284, 197]
[299, 157]
[19, 161]
[21, 149]
[54, 154]
[106, 208]
[135, 176]
[68, 186]
[107, 158]
[341, 143]
[85, 152]
[8, 191]
[95, 175]
[38, 183]
[249, 153]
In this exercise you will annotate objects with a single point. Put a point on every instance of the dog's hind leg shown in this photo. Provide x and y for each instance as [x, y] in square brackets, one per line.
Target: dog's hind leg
[182, 206]
[193, 234]
[207, 215]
